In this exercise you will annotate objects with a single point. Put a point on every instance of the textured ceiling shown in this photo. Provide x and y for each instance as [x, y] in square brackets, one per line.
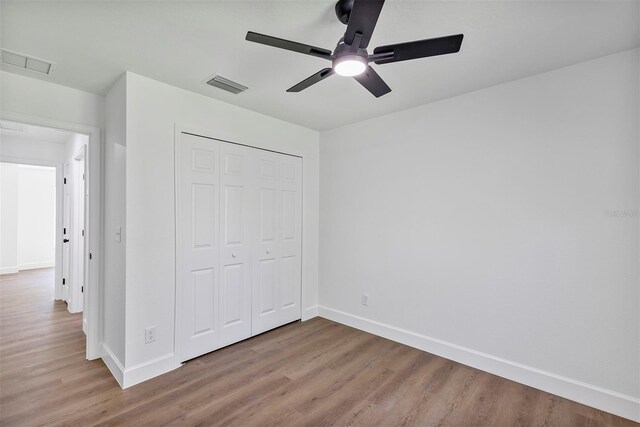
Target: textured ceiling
[184, 42]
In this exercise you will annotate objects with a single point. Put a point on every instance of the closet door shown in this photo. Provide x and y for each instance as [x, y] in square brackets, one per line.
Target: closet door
[291, 239]
[236, 246]
[198, 253]
[277, 204]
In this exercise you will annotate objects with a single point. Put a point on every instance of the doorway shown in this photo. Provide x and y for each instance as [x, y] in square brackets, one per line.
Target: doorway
[27, 217]
[70, 155]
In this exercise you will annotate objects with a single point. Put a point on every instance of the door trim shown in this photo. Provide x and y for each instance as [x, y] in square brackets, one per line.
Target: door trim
[94, 228]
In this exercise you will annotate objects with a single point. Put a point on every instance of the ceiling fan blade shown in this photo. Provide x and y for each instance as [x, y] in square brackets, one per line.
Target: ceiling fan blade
[418, 49]
[362, 19]
[288, 45]
[311, 80]
[373, 82]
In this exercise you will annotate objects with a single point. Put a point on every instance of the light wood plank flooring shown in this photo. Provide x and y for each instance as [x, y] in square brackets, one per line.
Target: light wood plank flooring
[314, 373]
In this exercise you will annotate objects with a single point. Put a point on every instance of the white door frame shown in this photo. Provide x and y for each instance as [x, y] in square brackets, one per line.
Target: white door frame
[66, 233]
[205, 133]
[78, 220]
[94, 228]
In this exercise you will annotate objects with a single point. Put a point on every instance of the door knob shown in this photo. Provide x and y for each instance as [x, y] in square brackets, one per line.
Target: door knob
[234, 255]
[65, 240]
[268, 252]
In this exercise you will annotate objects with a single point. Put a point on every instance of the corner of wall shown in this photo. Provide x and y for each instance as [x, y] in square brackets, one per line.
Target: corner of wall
[147, 370]
[114, 214]
[309, 313]
[113, 364]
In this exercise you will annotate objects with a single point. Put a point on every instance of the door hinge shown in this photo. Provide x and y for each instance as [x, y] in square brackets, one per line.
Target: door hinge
[82, 233]
[64, 281]
[82, 289]
[65, 180]
[83, 177]
[64, 230]
[90, 255]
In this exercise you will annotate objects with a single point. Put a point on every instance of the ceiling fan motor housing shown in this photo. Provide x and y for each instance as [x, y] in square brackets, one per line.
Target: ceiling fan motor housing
[343, 49]
[343, 10]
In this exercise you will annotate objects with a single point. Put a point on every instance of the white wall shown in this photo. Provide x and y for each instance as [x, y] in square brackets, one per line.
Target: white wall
[20, 149]
[480, 227]
[8, 218]
[114, 217]
[36, 217]
[39, 98]
[153, 109]
[28, 223]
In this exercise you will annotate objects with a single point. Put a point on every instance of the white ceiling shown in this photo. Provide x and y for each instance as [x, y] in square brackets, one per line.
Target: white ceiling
[184, 42]
[33, 133]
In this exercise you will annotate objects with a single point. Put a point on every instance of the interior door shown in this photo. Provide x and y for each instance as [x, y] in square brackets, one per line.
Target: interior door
[66, 233]
[266, 207]
[199, 245]
[236, 246]
[79, 258]
[81, 223]
[277, 204]
[291, 239]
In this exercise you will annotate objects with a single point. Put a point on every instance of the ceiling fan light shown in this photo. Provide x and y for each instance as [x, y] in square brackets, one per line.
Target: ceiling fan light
[350, 65]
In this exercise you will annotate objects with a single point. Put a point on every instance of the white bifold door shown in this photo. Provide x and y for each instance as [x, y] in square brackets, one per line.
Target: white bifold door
[239, 242]
[198, 246]
[276, 206]
[234, 305]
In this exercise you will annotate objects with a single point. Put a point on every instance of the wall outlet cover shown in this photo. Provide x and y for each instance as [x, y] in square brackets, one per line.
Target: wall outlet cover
[149, 334]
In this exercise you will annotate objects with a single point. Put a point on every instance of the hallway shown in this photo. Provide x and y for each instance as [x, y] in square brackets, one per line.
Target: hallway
[42, 351]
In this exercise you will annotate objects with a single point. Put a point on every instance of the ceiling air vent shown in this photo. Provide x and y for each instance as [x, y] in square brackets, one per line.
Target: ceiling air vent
[226, 84]
[27, 62]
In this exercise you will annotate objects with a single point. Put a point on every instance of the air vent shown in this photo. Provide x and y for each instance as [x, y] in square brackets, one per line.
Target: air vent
[226, 84]
[27, 62]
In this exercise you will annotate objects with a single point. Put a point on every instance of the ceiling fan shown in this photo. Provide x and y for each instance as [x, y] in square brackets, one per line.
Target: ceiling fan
[350, 57]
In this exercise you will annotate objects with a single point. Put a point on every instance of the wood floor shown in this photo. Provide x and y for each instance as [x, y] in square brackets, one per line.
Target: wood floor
[314, 373]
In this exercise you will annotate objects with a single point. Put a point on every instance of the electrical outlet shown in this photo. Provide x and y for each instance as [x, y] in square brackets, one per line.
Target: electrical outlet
[150, 335]
[365, 299]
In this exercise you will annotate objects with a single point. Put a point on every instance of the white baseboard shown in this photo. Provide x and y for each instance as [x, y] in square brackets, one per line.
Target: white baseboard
[34, 265]
[71, 307]
[27, 266]
[587, 394]
[114, 365]
[9, 270]
[145, 371]
[310, 313]
[139, 373]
